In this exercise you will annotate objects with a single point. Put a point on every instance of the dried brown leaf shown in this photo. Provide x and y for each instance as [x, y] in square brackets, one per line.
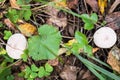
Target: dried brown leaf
[114, 59]
[69, 73]
[14, 4]
[9, 24]
[72, 4]
[93, 4]
[113, 20]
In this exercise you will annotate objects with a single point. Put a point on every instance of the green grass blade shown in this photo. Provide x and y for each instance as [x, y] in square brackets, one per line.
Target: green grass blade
[95, 72]
[99, 61]
[107, 73]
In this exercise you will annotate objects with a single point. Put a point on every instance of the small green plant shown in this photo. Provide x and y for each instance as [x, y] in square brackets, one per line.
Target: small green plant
[24, 13]
[80, 45]
[7, 34]
[5, 71]
[30, 73]
[5, 74]
[46, 44]
[1, 24]
[89, 20]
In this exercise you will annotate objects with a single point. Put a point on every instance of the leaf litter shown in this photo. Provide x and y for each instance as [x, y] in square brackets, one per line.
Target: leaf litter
[65, 67]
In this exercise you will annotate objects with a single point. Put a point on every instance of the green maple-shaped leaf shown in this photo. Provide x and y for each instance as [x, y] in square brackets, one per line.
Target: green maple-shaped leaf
[46, 44]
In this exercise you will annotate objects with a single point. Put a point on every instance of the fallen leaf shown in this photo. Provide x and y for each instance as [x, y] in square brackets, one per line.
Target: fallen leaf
[72, 4]
[114, 59]
[95, 50]
[113, 20]
[69, 73]
[62, 51]
[93, 4]
[85, 75]
[102, 5]
[14, 4]
[9, 24]
[27, 29]
[60, 3]
[53, 62]
[57, 17]
[70, 42]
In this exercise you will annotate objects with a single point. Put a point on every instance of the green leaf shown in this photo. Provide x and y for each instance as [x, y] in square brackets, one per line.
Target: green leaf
[8, 59]
[46, 44]
[94, 17]
[41, 72]
[21, 74]
[46, 74]
[88, 26]
[30, 79]
[48, 67]
[89, 20]
[33, 75]
[81, 38]
[7, 34]
[4, 73]
[27, 14]
[13, 15]
[88, 49]
[10, 77]
[1, 24]
[85, 18]
[2, 51]
[25, 55]
[76, 47]
[27, 72]
[34, 68]
[20, 2]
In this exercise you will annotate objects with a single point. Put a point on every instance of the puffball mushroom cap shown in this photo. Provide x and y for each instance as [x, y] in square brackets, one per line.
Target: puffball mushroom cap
[16, 44]
[105, 37]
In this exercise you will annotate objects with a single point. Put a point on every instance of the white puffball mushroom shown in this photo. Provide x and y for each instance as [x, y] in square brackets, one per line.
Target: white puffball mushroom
[105, 37]
[16, 44]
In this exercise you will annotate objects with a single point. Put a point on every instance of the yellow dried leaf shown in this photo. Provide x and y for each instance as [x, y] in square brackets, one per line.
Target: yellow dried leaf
[27, 29]
[102, 4]
[70, 42]
[14, 4]
[60, 3]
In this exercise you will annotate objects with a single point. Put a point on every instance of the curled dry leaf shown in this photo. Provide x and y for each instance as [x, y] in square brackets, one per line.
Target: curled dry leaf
[113, 20]
[69, 73]
[27, 29]
[9, 24]
[14, 4]
[93, 4]
[114, 59]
